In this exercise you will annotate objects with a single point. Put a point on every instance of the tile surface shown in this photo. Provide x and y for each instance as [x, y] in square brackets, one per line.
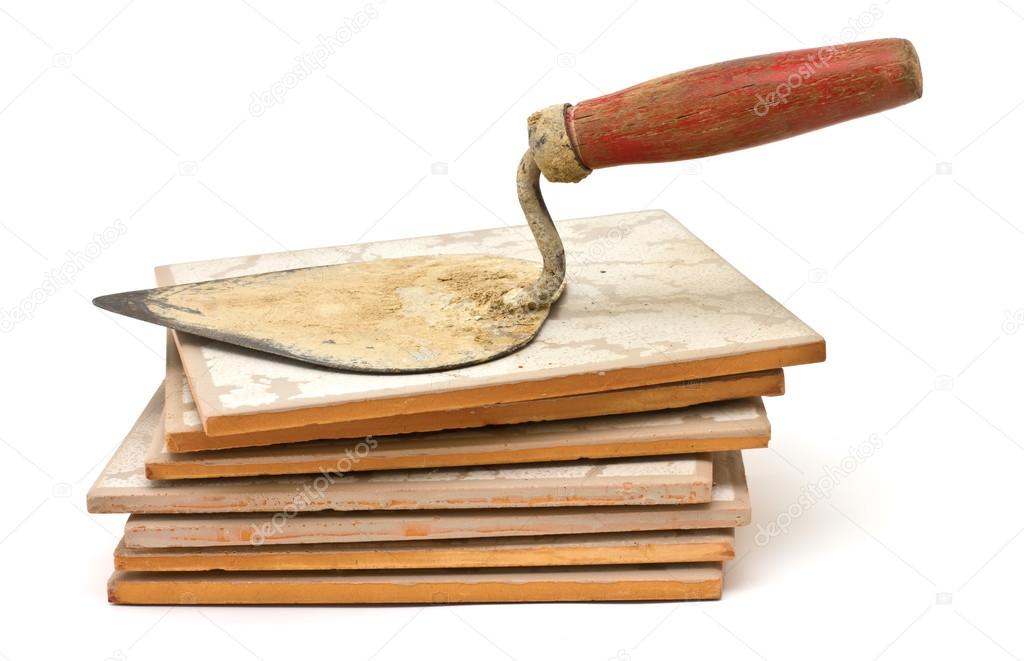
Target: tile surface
[642, 292]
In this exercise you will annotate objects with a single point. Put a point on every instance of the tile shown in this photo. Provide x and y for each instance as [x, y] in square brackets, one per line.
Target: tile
[123, 487]
[647, 302]
[729, 425]
[609, 583]
[669, 546]
[184, 432]
[729, 507]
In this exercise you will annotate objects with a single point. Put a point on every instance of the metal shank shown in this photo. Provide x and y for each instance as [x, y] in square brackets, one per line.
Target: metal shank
[546, 289]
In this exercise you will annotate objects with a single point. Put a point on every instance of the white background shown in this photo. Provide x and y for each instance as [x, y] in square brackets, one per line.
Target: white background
[898, 237]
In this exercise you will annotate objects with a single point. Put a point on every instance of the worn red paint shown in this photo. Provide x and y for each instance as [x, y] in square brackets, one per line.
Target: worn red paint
[742, 103]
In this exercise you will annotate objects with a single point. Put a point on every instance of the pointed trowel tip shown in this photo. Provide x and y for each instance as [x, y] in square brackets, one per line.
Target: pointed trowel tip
[130, 303]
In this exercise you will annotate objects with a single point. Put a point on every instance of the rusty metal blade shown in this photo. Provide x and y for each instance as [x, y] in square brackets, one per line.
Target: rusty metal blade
[413, 314]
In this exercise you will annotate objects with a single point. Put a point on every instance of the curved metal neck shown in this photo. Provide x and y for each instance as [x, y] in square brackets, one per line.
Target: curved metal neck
[548, 286]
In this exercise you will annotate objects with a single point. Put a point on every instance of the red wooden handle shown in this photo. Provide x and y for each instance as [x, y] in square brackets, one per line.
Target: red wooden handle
[743, 103]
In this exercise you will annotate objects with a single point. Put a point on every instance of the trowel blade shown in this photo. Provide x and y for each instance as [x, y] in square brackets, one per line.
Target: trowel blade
[404, 315]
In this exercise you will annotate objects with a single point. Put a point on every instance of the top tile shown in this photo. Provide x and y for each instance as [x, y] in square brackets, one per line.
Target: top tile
[646, 302]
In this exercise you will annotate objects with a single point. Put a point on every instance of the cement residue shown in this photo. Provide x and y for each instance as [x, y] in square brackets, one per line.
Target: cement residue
[409, 314]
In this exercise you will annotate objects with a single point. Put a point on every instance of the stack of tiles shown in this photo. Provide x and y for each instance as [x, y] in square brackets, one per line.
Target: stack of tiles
[601, 462]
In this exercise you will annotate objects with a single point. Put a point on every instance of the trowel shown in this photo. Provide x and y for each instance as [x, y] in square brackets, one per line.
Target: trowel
[426, 313]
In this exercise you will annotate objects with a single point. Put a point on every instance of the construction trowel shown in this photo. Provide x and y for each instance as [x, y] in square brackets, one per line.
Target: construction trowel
[424, 313]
